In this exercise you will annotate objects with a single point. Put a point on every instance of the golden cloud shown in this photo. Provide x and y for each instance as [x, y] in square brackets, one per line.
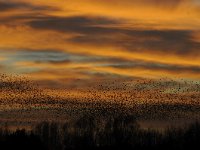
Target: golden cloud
[157, 37]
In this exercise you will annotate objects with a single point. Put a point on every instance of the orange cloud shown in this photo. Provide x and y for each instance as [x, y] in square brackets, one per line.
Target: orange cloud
[159, 32]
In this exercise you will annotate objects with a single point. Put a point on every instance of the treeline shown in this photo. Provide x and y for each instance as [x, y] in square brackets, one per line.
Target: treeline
[92, 132]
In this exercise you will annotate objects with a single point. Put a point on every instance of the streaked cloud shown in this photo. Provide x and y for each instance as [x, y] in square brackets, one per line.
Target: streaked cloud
[6, 5]
[70, 40]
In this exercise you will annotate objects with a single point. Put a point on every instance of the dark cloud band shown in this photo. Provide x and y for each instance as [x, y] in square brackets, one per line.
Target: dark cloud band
[102, 31]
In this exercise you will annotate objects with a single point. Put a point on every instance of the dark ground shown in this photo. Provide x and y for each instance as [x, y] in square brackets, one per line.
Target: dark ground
[89, 132]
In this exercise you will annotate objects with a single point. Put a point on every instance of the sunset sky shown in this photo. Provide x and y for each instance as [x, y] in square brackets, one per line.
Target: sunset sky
[79, 41]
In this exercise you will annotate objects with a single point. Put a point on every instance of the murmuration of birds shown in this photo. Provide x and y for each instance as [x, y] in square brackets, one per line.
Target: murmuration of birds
[22, 100]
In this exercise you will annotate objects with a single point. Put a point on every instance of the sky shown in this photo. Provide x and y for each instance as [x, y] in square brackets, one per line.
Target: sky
[64, 42]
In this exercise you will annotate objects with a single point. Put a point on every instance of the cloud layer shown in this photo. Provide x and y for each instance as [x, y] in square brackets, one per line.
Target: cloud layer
[69, 40]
